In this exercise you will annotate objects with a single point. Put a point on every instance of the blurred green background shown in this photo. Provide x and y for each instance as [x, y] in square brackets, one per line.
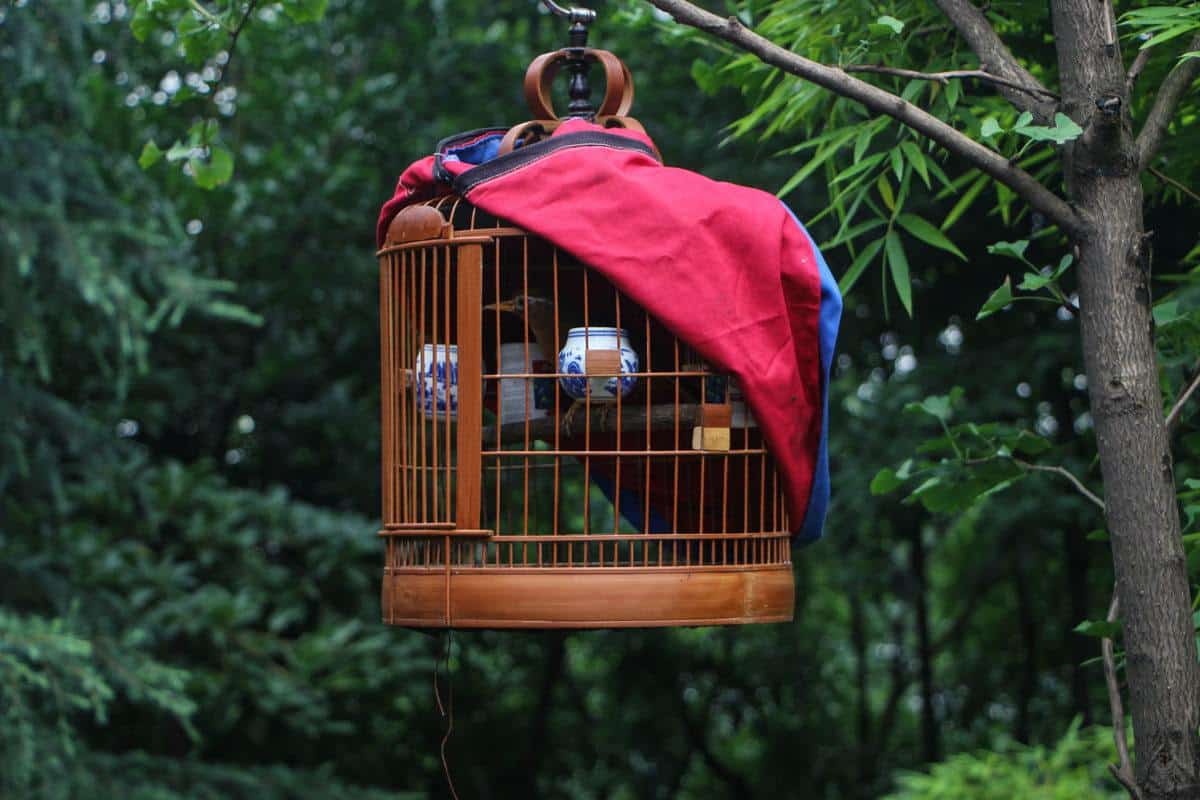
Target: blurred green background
[189, 479]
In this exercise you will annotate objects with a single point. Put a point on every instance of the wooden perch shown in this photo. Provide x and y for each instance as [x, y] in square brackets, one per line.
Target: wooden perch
[603, 418]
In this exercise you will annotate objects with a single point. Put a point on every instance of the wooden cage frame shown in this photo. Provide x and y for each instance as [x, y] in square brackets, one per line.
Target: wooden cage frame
[455, 555]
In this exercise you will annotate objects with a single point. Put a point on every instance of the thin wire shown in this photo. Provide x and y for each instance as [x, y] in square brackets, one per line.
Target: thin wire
[448, 709]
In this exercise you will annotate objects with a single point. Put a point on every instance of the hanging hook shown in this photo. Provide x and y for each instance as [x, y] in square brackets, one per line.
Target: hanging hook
[582, 16]
[577, 62]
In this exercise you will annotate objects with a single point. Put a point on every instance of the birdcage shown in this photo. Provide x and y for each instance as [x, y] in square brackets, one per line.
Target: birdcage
[553, 456]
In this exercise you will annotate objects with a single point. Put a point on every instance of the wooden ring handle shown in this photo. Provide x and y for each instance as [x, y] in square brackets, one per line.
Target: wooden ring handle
[536, 128]
[629, 124]
[539, 77]
[615, 70]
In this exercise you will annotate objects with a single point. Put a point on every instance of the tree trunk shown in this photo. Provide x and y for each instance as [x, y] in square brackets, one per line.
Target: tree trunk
[1116, 328]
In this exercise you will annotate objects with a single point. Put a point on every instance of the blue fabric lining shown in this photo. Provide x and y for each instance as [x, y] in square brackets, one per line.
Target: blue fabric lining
[477, 152]
[827, 327]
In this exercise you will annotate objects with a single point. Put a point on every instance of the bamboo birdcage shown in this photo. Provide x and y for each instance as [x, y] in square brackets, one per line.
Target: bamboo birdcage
[526, 509]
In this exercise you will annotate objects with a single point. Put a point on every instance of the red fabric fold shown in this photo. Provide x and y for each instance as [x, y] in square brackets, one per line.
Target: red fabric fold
[725, 267]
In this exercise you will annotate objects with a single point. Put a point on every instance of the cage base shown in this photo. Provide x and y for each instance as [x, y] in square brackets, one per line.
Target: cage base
[598, 597]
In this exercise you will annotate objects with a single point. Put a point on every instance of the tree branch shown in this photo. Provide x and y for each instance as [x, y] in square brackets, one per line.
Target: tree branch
[1123, 770]
[883, 102]
[996, 59]
[1031, 467]
[1135, 69]
[1168, 179]
[230, 49]
[1177, 409]
[945, 77]
[1178, 81]
[1066, 473]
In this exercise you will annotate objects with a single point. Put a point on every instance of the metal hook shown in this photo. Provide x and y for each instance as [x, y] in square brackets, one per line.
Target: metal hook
[582, 16]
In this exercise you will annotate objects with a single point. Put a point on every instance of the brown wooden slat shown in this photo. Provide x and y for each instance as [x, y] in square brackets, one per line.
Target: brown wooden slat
[470, 386]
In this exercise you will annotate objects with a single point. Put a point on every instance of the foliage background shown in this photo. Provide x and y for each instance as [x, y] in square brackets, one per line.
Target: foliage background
[188, 463]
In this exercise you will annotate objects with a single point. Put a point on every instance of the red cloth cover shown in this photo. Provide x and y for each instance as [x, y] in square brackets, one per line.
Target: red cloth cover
[725, 267]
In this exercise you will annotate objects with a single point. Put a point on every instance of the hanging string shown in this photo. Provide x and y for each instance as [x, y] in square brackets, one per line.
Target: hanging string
[446, 710]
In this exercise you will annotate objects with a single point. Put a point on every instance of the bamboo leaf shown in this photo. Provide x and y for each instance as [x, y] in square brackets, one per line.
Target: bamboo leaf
[859, 265]
[898, 266]
[917, 159]
[885, 192]
[861, 166]
[854, 232]
[928, 234]
[965, 201]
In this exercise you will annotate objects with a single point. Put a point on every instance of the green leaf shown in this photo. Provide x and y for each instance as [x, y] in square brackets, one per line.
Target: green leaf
[860, 263]
[853, 233]
[1098, 535]
[179, 151]
[218, 169]
[822, 155]
[990, 128]
[953, 90]
[1064, 130]
[1167, 35]
[898, 266]
[1026, 442]
[203, 131]
[885, 192]
[896, 25]
[1014, 249]
[305, 10]
[863, 142]
[861, 166]
[1101, 629]
[234, 312]
[1167, 312]
[150, 155]
[885, 481]
[706, 76]
[938, 406]
[928, 234]
[917, 159]
[999, 299]
[965, 201]
[1032, 281]
[887, 26]
[142, 24]
[897, 164]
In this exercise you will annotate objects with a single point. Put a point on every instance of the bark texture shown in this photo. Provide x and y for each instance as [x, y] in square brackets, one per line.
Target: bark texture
[994, 57]
[1117, 332]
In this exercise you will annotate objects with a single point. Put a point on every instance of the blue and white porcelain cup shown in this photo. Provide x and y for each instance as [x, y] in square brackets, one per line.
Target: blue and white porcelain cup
[437, 381]
[572, 360]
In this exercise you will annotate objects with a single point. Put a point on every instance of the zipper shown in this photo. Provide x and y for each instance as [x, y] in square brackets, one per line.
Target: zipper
[527, 155]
